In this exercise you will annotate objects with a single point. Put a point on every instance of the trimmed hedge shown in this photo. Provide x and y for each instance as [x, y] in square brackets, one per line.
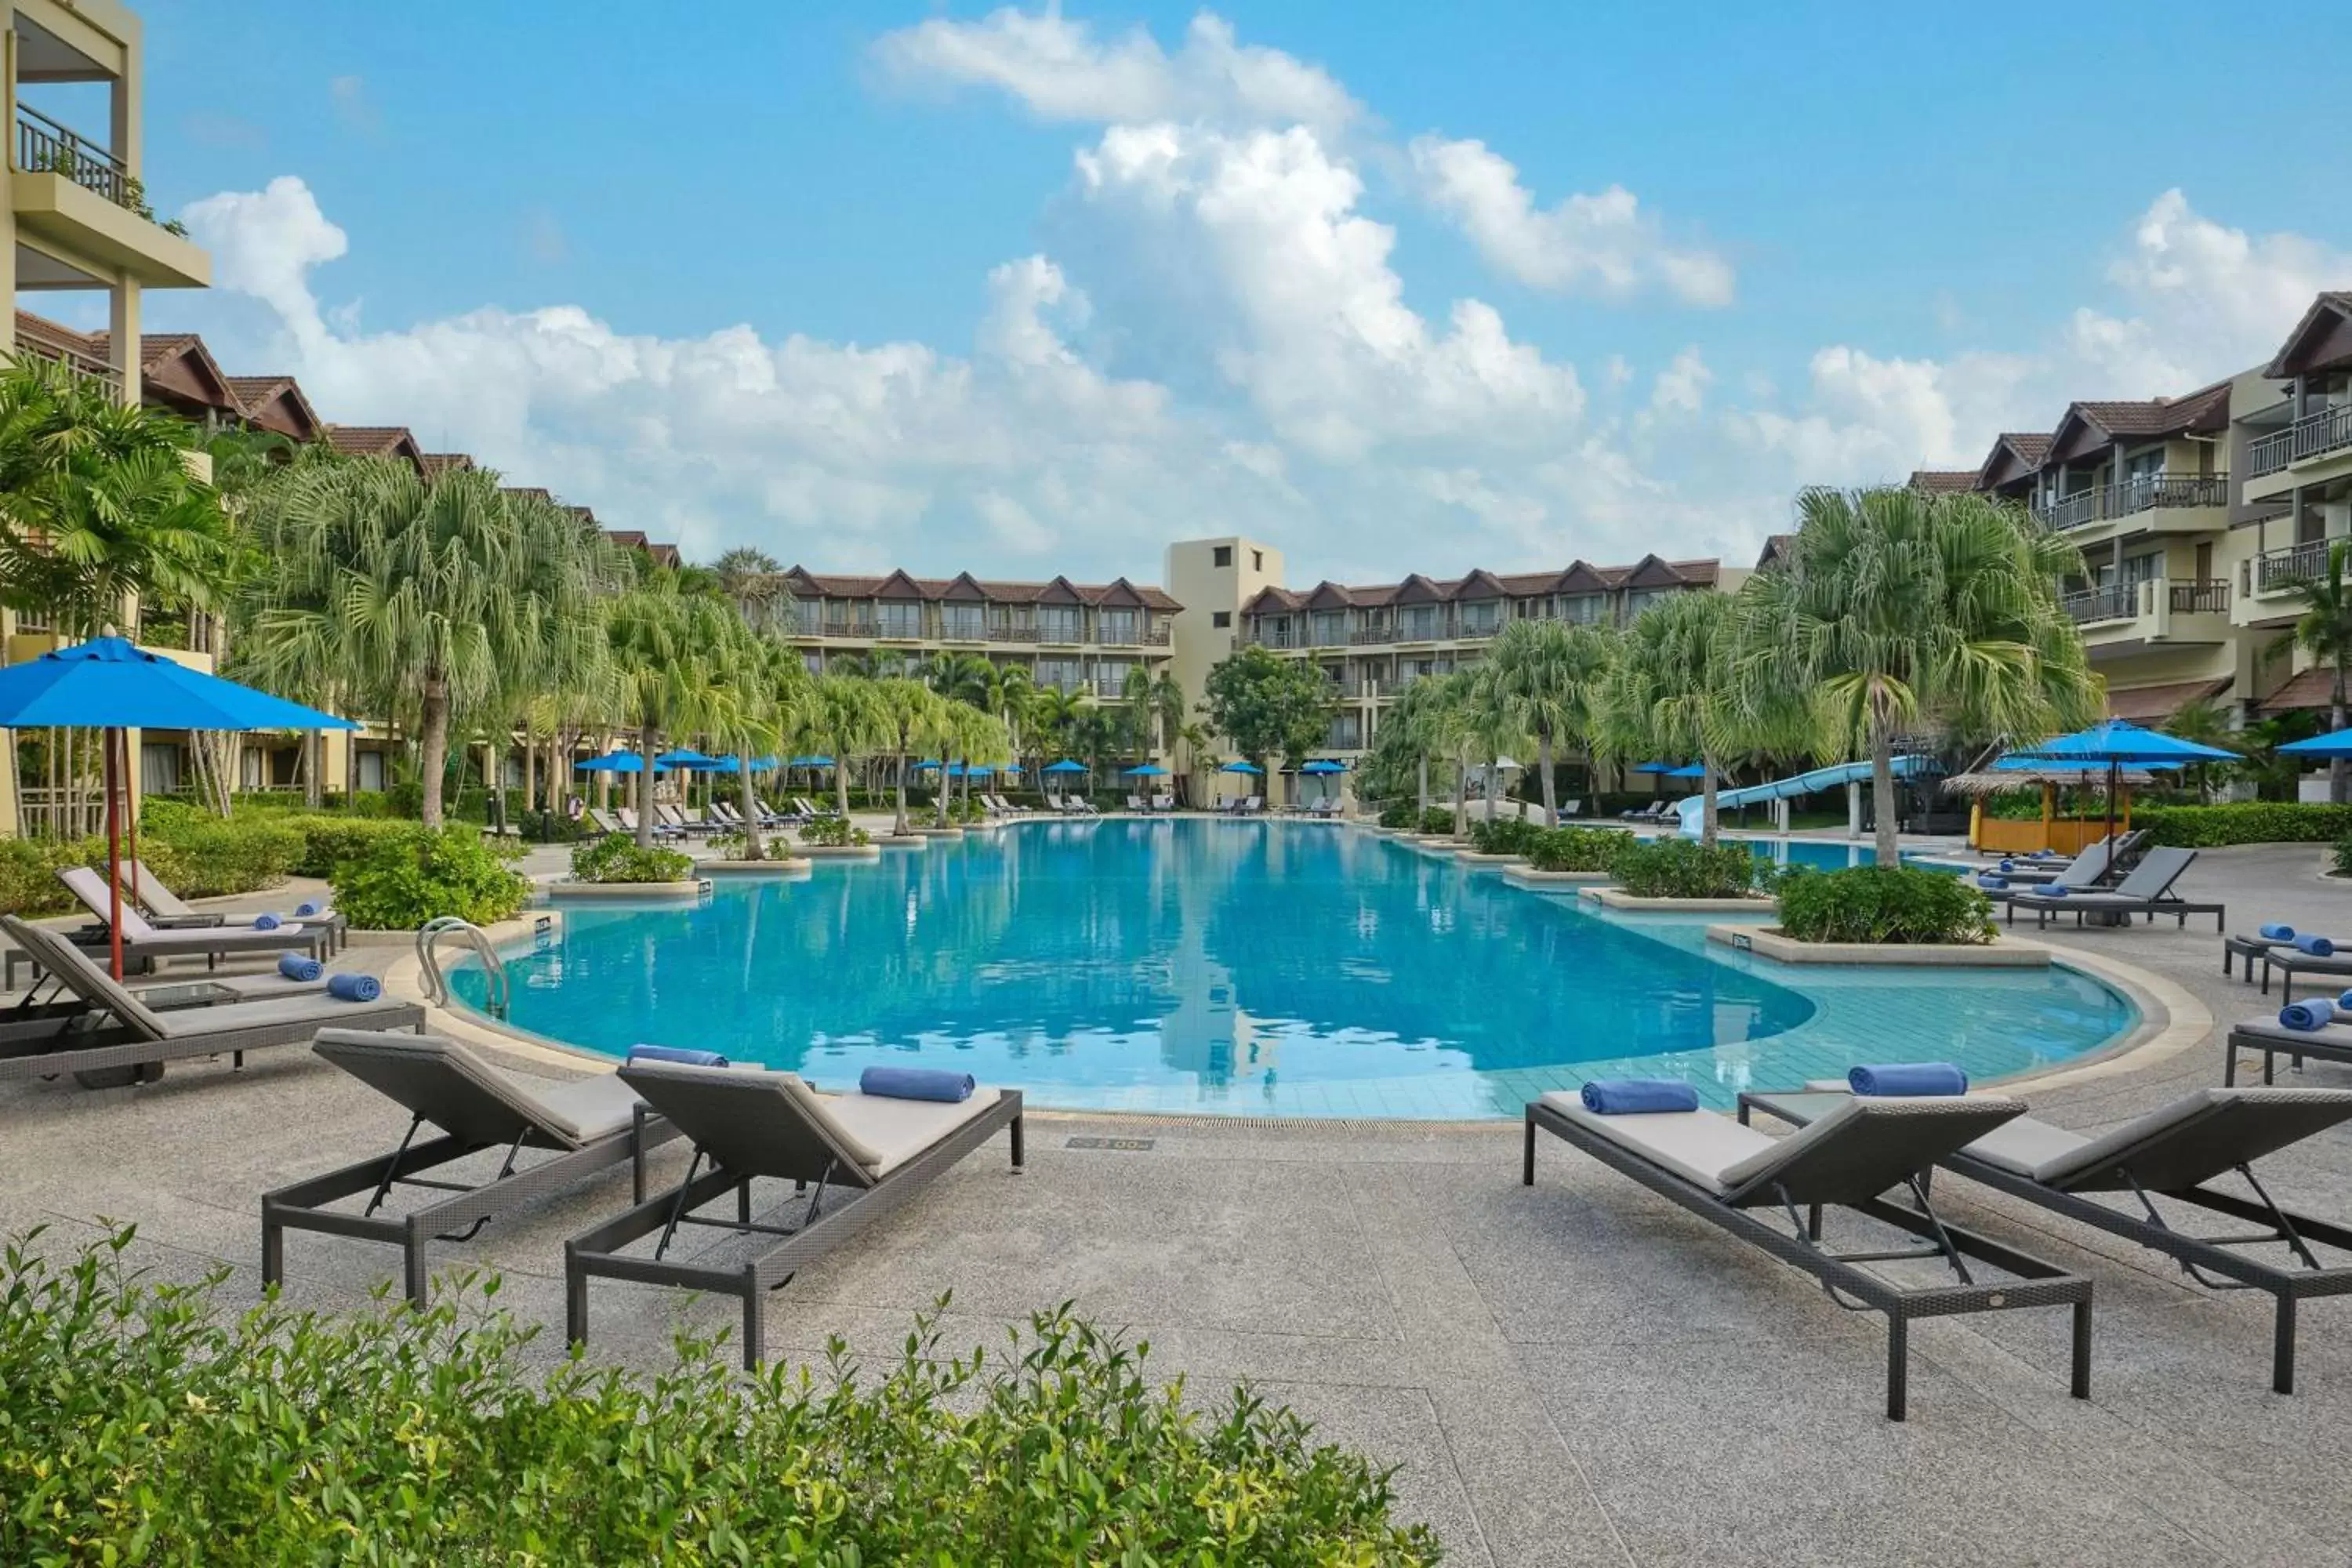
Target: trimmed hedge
[1436, 819]
[1579, 848]
[196, 855]
[417, 875]
[2243, 821]
[1503, 835]
[1687, 868]
[141, 1424]
[1883, 904]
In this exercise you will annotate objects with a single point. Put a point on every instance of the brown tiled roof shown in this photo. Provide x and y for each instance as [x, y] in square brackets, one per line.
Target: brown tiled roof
[1941, 480]
[2312, 688]
[2150, 704]
[58, 335]
[664, 555]
[833, 586]
[2334, 303]
[256, 393]
[436, 464]
[2207, 407]
[1483, 584]
[372, 440]
[529, 492]
[1780, 546]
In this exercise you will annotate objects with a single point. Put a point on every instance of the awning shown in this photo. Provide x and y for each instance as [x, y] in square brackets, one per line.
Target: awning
[2153, 704]
[2309, 689]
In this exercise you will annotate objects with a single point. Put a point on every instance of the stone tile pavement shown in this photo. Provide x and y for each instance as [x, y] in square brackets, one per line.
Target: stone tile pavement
[1571, 1373]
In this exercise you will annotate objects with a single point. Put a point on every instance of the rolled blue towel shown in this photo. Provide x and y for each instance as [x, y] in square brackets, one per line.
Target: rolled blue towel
[2007, 864]
[914, 1083]
[1991, 883]
[354, 987]
[299, 966]
[2344, 1002]
[1908, 1079]
[307, 910]
[2307, 1015]
[2043, 855]
[685, 1055]
[1638, 1095]
[2277, 932]
[2051, 890]
[2317, 946]
[266, 922]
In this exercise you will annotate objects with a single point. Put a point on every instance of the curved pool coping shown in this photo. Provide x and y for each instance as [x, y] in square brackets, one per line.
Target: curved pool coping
[2171, 1020]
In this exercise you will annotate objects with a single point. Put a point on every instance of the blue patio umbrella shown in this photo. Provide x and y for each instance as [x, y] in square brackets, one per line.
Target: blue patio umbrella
[926, 765]
[1687, 771]
[1651, 768]
[112, 685]
[2336, 743]
[685, 758]
[1242, 768]
[810, 762]
[1147, 771]
[1065, 767]
[1321, 765]
[617, 762]
[2117, 744]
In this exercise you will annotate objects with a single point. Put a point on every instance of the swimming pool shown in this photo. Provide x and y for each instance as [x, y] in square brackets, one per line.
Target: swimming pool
[1263, 968]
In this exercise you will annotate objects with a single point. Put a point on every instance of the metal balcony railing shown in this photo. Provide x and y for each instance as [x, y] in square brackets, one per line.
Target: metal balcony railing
[74, 363]
[2114, 603]
[1013, 634]
[2313, 436]
[2200, 596]
[2276, 569]
[2151, 492]
[45, 147]
[1373, 635]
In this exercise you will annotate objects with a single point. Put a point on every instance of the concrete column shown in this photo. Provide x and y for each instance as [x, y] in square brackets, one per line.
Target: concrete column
[123, 344]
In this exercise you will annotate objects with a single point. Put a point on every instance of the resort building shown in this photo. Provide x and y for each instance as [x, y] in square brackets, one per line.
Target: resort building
[1077, 637]
[2197, 514]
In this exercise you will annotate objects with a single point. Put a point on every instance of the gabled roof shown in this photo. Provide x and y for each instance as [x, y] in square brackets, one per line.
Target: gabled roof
[276, 403]
[177, 370]
[2086, 427]
[898, 585]
[965, 587]
[1479, 584]
[529, 492]
[1328, 595]
[1780, 548]
[1120, 595]
[1653, 573]
[1937, 481]
[437, 464]
[801, 584]
[2320, 341]
[2015, 455]
[1581, 578]
[1060, 591]
[376, 441]
[1417, 589]
[1272, 601]
[905, 584]
[664, 555]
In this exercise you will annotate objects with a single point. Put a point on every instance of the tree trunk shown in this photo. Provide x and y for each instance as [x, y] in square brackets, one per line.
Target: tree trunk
[314, 759]
[1708, 815]
[750, 808]
[2339, 772]
[530, 773]
[495, 762]
[1550, 790]
[1881, 791]
[1461, 797]
[645, 787]
[899, 826]
[1424, 803]
[435, 764]
[947, 786]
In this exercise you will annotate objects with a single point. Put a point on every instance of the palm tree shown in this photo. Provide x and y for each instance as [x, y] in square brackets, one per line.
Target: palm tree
[1463, 725]
[967, 735]
[1055, 717]
[753, 580]
[1416, 718]
[844, 723]
[2207, 722]
[761, 699]
[1665, 694]
[910, 713]
[441, 589]
[661, 639]
[2323, 629]
[1899, 607]
[1136, 711]
[1550, 673]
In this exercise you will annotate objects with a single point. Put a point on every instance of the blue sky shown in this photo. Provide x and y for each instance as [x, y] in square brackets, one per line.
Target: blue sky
[1395, 287]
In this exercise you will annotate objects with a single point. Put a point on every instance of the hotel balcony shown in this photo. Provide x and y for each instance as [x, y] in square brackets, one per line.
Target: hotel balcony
[2126, 617]
[2171, 503]
[2274, 572]
[2315, 449]
[81, 201]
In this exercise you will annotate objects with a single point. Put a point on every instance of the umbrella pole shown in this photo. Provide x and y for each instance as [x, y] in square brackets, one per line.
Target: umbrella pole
[114, 859]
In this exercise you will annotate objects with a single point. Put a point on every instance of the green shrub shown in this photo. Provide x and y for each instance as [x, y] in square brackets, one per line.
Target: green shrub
[200, 855]
[1399, 814]
[832, 832]
[405, 879]
[1436, 819]
[138, 1422]
[1685, 868]
[617, 858]
[550, 827]
[1578, 848]
[2344, 856]
[1884, 904]
[404, 798]
[29, 868]
[2243, 821]
[329, 841]
[1503, 835]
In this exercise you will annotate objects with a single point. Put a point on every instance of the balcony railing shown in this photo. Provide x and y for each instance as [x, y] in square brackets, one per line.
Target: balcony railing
[1363, 635]
[851, 629]
[1013, 634]
[2200, 596]
[2313, 436]
[75, 363]
[2277, 569]
[45, 147]
[2151, 492]
[2114, 603]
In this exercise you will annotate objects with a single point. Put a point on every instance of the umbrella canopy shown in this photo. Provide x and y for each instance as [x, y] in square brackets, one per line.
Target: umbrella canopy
[973, 771]
[735, 764]
[1147, 771]
[810, 762]
[1652, 768]
[617, 763]
[109, 684]
[926, 765]
[2117, 741]
[1688, 771]
[1243, 768]
[2335, 744]
[1320, 766]
[685, 758]
[1065, 767]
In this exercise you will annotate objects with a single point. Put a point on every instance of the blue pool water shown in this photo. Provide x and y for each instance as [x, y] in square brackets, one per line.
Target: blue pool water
[1267, 968]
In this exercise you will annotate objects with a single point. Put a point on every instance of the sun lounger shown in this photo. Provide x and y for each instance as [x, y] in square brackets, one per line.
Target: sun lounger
[590, 1124]
[1253, 806]
[2081, 873]
[119, 1037]
[2148, 890]
[168, 912]
[146, 943]
[808, 812]
[2169, 1153]
[1726, 1174]
[863, 1153]
[1135, 804]
[1164, 803]
[2290, 962]
[604, 821]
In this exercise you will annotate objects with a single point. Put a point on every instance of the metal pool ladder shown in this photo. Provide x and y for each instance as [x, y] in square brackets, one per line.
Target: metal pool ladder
[437, 985]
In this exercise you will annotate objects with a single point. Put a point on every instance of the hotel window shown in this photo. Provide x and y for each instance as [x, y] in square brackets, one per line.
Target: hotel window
[1060, 674]
[1110, 677]
[1057, 623]
[901, 619]
[1221, 555]
[158, 766]
[1418, 621]
[370, 774]
[966, 621]
[812, 661]
[1481, 615]
[1330, 627]
[1118, 626]
[810, 615]
[1220, 617]
[1584, 609]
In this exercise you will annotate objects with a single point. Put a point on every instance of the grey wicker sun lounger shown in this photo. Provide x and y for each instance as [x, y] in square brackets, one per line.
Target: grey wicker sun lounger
[2148, 890]
[1725, 1173]
[121, 1039]
[589, 1125]
[2329, 1043]
[145, 942]
[169, 911]
[2290, 962]
[865, 1154]
[2083, 872]
[2169, 1153]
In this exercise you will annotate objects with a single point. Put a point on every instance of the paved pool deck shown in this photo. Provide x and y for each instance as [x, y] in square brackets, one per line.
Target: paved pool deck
[1571, 1373]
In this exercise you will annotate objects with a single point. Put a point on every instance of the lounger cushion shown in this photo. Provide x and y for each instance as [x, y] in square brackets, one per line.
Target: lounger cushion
[894, 1131]
[587, 1108]
[2270, 1031]
[461, 1093]
[1698, 1146]
[2194, 1137]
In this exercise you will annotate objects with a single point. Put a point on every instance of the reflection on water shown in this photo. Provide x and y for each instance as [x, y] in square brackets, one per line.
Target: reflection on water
[1172, 964]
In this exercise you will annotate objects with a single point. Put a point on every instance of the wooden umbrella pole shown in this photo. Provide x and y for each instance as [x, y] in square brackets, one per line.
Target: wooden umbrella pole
[114, 859]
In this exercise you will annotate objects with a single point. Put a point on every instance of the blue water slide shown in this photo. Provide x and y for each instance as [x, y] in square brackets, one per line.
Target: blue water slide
[1690, 809]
